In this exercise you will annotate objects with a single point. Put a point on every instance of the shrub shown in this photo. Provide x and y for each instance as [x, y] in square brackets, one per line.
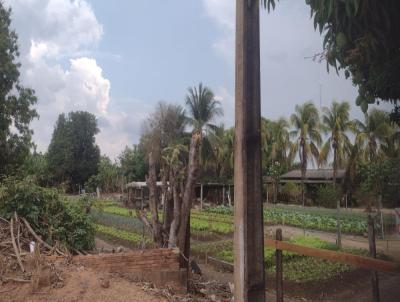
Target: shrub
[327, 196]
[293, 190]
[53, 219]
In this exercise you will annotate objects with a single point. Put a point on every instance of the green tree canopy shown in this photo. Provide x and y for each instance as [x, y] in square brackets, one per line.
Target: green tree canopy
[362, 38]
[337, 125]
[202, 108]
[16, 102]
[133, 164]
[73, 155]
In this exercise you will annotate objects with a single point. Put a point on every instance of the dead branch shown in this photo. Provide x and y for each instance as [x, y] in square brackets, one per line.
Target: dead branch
[45, 244]
[16, 280]
[142, 216]
[18, 232]
[15, 245]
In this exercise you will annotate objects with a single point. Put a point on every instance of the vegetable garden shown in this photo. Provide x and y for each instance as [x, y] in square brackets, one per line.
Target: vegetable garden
[212, 231]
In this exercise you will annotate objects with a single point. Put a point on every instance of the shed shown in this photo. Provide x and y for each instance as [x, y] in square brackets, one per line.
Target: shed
[138, 193]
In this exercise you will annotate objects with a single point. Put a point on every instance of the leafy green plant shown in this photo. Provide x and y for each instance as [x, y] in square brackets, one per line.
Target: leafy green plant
[53, 219]
[327, 196]
[309, 218]
[293, 190]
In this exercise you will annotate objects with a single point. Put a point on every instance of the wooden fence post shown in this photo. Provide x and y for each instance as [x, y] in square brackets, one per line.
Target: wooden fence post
[249, 273]
[279, 269]
[372, 251]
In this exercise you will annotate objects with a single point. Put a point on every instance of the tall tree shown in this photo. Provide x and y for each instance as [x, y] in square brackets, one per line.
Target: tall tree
[133, 163]
[361, 37]
[16, 112]
[337, 126]
[307, 136]
[371, 133]
[163, 127]
[275, 142]
[73, 155]
[202, 109]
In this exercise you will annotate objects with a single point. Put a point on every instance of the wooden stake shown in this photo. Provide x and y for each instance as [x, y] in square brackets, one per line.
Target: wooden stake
[372, 251]
[279, 269]
[249, 275]
[201, 197]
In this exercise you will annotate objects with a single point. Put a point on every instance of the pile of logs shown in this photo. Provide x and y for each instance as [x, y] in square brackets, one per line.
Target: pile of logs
[20, 249]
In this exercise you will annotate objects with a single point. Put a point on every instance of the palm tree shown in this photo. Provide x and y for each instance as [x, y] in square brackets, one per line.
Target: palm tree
[277, 142]
[306, 125]
[371, 134]
[202, 108]
[336, 124]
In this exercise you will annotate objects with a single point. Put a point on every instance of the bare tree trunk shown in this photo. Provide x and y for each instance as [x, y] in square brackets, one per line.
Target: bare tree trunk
[338, 227]
[177, 210]
[303, 160]
[303, 176]
[168, 199]
[153, 201]
[191, 179]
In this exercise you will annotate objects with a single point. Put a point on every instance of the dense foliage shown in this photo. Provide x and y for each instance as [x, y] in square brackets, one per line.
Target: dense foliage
[53, 219]
[133, 164]
[73, 155]
[16, 102]
[361, 37]
[327, 196]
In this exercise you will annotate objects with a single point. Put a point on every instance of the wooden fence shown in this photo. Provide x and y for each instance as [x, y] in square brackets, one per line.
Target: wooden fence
[370, 263]
[350, 259]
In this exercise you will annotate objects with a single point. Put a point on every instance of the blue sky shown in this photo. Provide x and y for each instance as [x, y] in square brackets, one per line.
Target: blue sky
[117, 59]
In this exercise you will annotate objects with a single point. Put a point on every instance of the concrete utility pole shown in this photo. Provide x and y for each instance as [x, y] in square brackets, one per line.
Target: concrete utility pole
[249, 273]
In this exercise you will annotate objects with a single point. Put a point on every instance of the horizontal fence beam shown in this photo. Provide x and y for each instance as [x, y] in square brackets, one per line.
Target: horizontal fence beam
[350, 259]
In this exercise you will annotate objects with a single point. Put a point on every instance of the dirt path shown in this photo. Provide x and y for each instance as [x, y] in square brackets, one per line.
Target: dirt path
[80, 284]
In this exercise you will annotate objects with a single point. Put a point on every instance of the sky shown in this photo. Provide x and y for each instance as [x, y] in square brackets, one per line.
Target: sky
[117, 59]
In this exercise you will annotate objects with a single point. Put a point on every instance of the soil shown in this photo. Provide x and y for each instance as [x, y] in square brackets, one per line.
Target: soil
[80, 284]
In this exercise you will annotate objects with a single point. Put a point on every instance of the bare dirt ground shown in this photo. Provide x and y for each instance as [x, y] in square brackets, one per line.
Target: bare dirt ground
[82, 284]
[79, 284]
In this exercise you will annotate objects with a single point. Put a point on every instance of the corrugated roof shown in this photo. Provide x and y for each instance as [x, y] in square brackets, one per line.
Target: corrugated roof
[318, 174]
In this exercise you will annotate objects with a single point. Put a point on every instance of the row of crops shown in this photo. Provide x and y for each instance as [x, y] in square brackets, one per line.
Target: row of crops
[219, 220]
[353, 223]
[121, 225]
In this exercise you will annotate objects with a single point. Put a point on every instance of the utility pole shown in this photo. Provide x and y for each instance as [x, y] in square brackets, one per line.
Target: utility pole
[249, 275]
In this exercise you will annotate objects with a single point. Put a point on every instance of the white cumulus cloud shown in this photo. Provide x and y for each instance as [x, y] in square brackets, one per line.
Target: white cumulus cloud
[51, 34]
[223, 14]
